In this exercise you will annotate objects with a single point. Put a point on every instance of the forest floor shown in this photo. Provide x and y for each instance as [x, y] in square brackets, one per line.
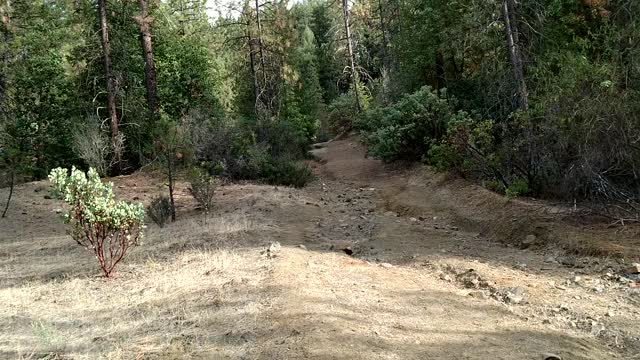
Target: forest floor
[368, 262]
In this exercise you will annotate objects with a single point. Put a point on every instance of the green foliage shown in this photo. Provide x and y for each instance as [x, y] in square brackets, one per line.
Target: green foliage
[519, 187]
[287, 173]
[408, 129]
[160, 210]
[101, 224]
[202, 187]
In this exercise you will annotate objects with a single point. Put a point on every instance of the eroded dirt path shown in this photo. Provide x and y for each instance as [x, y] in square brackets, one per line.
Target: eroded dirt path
[355, 280]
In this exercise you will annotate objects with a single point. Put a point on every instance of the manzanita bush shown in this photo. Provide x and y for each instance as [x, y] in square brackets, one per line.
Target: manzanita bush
[107, 227]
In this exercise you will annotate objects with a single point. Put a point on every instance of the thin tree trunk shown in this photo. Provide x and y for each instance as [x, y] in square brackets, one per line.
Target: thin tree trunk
[515, 57]
[7, 37]
[11, 186]
[352, 60]
[171, 185]
[260, 45]
[254, 73]
[111, 82]
[385, 39]
[150, 66]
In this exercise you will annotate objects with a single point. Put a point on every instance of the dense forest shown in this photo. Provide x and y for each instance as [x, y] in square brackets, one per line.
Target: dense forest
[538, 98]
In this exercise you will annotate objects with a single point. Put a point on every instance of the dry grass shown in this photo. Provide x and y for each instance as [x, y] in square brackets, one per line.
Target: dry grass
[185, 292]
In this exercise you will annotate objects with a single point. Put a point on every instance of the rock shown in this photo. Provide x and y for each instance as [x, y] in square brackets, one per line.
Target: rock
[624, 280]
[521, 266]
[596, 328]
[515, 295]
[569, 261]
[386, 265]
[551, 357]
[550, 259]
[576, 279]
[609, 313]
[634, 269]
[413, 219]
[272, 250]
[529, 240]
[302, 247]
[478, 294]
[445, 277]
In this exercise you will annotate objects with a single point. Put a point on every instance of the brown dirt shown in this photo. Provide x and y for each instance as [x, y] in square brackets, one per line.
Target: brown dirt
[207, 288]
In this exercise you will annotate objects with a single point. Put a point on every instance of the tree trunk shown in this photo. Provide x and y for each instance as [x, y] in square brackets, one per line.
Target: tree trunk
[7, 37]
[385, 39]
[511, 30]
[352, 60]
[111, 82]
[260, 45]
[150, 66]
[254, 73]
[11, 186]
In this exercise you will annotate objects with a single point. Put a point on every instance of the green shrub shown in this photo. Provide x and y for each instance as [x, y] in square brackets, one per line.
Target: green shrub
[160, 210]
[202, 187]
[341, 113]
[287, 173]
[107, 227]
[408, 129]
[518, 187]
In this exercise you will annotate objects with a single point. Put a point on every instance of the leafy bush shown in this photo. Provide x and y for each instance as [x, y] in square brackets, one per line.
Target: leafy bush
[408, 129]
[202, 187]
[342, 112]
[106, 227]
[160, 210]
[517, 188]
[287, 173]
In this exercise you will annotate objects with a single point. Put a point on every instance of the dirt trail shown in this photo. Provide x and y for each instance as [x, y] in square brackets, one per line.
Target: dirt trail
[408, 292]
[371, 263]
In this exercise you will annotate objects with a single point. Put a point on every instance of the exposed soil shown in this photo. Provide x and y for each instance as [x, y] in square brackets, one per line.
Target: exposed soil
[368, 262]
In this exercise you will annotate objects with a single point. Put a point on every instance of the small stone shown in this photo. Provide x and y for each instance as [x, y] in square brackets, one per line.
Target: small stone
[577, 279]
[529, 240]
[479, 294]
[564, 307]
[413, 219]
[551, 357]
[521, 266]
[568, 261]
[609, 313]
[550, 259]
[302, 247]
[386, 265]
[624, 280]
[445, 277]
[634, 268]
[515, 295]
